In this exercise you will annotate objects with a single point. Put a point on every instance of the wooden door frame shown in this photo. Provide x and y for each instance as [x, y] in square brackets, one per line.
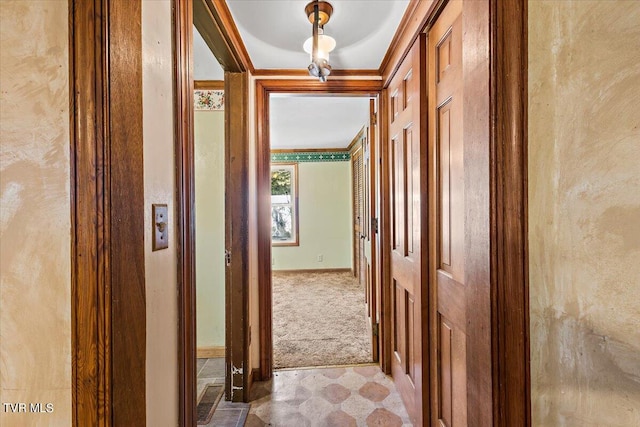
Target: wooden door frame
[355, 151]
[509, 254]
[264, 88]
[213, 20]
[108, 317]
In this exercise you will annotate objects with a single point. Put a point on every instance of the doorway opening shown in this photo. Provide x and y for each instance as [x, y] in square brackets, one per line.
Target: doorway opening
[209, 209]
[319, 308]
[235, 63]
[317, 222]
[312, 231]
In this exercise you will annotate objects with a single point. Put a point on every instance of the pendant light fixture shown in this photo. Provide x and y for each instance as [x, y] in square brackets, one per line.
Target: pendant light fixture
[319, 44]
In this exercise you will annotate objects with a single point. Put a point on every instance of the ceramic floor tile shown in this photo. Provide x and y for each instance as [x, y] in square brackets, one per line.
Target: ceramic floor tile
[213, 368]
[383, 418]
[336, 393]
[374, 391]
[227, 414]
[199, 364]
[339, 418]
[357, 396]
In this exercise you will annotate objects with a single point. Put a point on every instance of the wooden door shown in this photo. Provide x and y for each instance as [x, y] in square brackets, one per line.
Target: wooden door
[369, 236]
[358, 245]
[447, 216]
[406, 160]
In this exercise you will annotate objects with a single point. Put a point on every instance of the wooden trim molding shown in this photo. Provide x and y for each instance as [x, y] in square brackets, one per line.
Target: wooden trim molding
[215, 24]
[264, 88]
[107, 238]
[210, 352]
[509, 252]
[314, 270]
[208, 84]
[384, 220]
[414, 22]
[185, 222]
[352, 146]
[91, 398]
[346, 87]
[299, 72]
[213, 20]
[296, 207]
[237, 236]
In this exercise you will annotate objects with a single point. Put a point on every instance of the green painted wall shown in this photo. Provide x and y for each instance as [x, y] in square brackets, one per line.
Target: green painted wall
[325, 216]
[209, 165]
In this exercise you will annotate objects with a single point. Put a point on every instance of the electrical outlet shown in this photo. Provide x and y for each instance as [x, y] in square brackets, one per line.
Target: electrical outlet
[320, 258]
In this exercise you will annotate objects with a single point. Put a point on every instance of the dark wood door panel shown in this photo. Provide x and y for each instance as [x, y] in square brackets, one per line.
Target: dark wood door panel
[447, 219]
[407, 183]
[451, 299]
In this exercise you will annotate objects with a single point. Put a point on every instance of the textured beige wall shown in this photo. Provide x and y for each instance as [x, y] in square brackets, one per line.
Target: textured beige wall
[584, 212]
[159, 187]
[210, 225]
[326, 229]
[35, 261]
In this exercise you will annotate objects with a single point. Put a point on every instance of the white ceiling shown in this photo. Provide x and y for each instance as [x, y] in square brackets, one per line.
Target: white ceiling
[205, 65]
[304, 122]
[273, 31]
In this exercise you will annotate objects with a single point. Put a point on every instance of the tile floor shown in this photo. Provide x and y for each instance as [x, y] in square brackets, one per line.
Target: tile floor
[227, 414]
[332, 397]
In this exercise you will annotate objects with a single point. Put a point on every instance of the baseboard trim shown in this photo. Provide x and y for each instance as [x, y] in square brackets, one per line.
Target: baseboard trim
[210, 352]
[315, 270]
[253, 377]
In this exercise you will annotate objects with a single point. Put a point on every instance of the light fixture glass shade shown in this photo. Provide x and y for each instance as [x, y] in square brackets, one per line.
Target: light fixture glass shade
[325, 45]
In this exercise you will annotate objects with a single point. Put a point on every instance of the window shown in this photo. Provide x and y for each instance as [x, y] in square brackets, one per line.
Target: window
[284, 205]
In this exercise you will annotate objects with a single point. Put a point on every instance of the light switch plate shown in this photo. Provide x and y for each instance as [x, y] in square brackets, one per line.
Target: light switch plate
[160, 216]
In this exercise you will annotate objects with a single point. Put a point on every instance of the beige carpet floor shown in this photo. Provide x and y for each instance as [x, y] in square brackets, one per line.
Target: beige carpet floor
[319, 319]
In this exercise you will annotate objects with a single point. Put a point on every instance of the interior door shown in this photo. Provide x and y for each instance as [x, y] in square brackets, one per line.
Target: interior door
[446, 213]
[369, 236]
[407, 159]
[356, 166]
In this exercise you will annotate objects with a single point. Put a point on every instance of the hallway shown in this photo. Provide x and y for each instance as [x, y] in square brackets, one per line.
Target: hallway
[503, 207]
[333, 397]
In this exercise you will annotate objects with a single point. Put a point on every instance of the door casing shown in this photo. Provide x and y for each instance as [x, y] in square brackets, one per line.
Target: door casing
[213, 20]
[264, 88]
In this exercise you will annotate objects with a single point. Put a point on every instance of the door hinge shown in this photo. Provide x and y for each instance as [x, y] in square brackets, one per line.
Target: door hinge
[375, 329]
[227, 257]
[374, 225]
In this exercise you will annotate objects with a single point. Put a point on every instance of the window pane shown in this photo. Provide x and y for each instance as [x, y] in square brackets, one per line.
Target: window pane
[280, 182]
[281, 223]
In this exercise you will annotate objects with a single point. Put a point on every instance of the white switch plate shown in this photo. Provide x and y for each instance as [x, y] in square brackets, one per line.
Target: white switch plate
[160, 218]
